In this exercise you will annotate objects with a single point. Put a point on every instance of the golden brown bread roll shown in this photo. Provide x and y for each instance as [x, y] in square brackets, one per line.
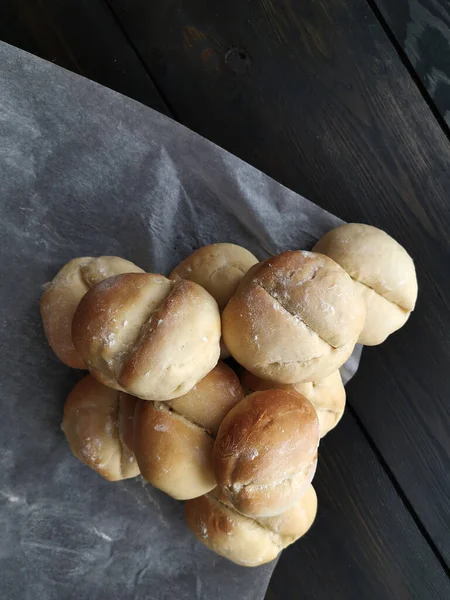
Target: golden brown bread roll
[218, 268]
[243, 540]
[148, 336]
[295, 317]
[62, 296]
[211, 399]
[174, 440]
[98, 424]
[383, 271]
[265, 453]
[327, 395]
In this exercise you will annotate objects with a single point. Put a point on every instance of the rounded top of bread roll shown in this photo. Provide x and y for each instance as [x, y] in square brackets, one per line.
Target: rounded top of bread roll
[384, 273]
[294, 522]
[243, 540]
[173, 453]
[295, 317]
[98, 424]
[265, 452]
[218, 268]
[173, 440]
[326, 395]
[146, 335]
[211, 399]
[63, 294]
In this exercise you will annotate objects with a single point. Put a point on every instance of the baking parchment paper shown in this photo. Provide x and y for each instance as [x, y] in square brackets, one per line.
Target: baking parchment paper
[85, 171]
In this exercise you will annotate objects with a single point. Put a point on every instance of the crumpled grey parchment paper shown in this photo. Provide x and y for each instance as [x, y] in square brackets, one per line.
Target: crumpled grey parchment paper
[85, 171]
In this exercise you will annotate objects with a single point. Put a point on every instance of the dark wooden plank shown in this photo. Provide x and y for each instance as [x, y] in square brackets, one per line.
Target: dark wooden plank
[314, 94]
[82, 36]
[422, 29]
[364, 543]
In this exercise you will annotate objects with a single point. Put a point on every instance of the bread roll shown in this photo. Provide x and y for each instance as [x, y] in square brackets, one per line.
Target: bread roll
[148, 336]
[327, 395]
[265, 453]
[174, 440]
[243, 540]
[98, 424]
[383, 271]
[211, 399]
[295, 318]
[63, 294]
[218, 268]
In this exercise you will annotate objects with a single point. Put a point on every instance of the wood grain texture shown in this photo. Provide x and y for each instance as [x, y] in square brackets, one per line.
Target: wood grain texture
[313, 93]
[364, 543]
[82, 36]
[422, 28]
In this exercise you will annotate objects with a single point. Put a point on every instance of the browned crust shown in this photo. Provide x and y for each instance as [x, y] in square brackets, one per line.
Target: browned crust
[147, 335]
[211, 399]
[241, 539]
[316, 290]
[161, 327]
[268, 440]
[326, 395]
[101, 310]
[58, 305]
[291, 523]
[62, 296]
[230, 534]
[174, 439]
[92, 419]
[295, 317]
[216, 267]
[127, 406]
[173, 454]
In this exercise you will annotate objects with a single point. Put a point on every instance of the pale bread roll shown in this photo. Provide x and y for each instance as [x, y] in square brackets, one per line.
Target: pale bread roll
[243, 540]
[327, 395]
[218, 268]
[148, 336]
[383, 271]
[294, 318]
[173, 454]
[211, 399]
[174, 440]
[63, 294]
[265, 453]
[98, 424]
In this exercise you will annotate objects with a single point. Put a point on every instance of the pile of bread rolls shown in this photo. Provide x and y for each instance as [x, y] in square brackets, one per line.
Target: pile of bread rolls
[238, 443]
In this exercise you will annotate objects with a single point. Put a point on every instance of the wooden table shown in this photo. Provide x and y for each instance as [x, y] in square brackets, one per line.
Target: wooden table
[348, 103]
